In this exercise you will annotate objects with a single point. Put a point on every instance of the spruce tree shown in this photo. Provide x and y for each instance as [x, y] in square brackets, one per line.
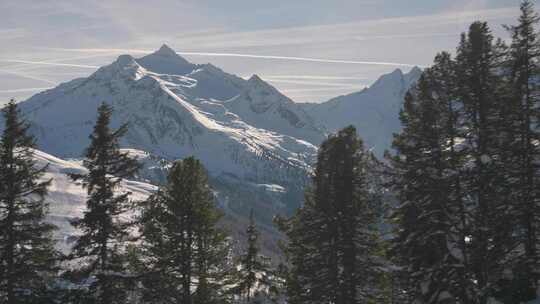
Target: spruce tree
[479, 89]
[466, 172]
[523, 131]
[105, 230]
[27, 254]
[184, 255]
[332, 238]
[255, 269]
[427, 244]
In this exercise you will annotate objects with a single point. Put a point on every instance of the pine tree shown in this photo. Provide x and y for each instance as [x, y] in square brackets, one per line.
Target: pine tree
[479, 89]
[255, 269]
[27, 255]
[523, 113]
[185, 256]
[466, 172]
[332, 238]
[427, 244]
[105, 231]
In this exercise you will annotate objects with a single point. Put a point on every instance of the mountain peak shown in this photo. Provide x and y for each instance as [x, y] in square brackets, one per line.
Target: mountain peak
[166, 61]
[412, 76]
[255, 78]
[165, 50]
[256, 82]
[124, 60]
[396, 72]
[390, 80]
[415, 70]
[124, 66]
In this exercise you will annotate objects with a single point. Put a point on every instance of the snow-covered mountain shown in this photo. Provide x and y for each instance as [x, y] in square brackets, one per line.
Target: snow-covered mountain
[166, 120]
[263, 106]
[374, 111]
[176, 109]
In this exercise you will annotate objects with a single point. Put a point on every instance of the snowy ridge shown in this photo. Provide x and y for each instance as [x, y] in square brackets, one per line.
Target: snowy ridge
[374, 111]
[263, 106]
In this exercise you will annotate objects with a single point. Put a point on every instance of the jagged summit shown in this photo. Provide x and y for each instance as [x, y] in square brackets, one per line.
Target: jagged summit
[415, 70]
[254, 79]
[257, 83]
[390, 79]
[124, 67]
[413, 75]
[165, 50]
[166, 61]
[125, 60]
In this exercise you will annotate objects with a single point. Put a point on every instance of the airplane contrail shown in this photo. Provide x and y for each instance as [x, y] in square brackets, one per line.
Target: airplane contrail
[50, 63]
[321, 60]
[319, 89]
[28, 76]
[271, 57]
[24, 90]
[27, 67]
[315, 77]
[317, 83]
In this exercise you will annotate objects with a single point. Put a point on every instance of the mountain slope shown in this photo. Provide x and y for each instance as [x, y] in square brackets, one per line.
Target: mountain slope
[263, 106]
[374, 111]
[67, 200]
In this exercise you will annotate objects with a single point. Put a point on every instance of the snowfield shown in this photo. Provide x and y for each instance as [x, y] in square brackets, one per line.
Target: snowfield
[67, 200]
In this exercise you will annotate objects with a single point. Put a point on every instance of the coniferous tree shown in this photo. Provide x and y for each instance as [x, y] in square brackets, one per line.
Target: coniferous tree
[453, 175]
[523, 155]
[27, 254]
[255, 269]
[105, 230]
[184, 255]
[428, 243]
[332, 238]
[479, 89]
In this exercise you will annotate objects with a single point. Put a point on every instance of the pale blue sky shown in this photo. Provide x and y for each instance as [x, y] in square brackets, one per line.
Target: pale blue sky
[44, 43]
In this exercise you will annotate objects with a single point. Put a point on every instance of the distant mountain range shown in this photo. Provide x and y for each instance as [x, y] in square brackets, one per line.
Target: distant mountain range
[257, 144]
